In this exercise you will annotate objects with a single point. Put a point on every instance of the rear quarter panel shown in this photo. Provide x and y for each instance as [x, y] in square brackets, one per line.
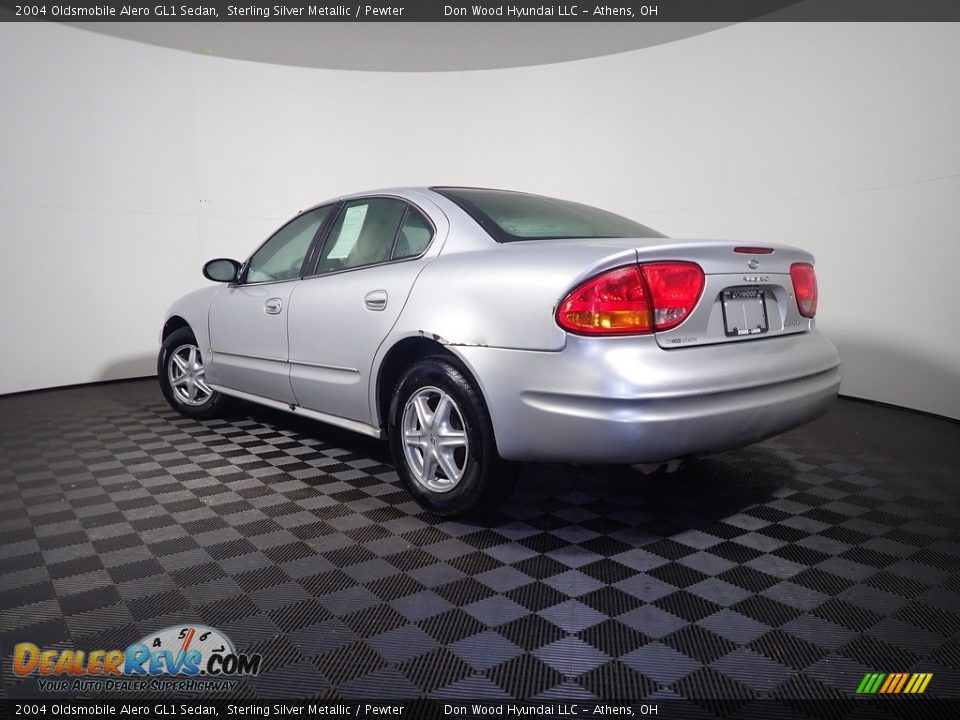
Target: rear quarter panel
[505, 296]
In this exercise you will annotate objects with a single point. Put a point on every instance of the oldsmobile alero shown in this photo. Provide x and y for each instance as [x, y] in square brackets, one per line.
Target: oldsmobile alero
[475, 328]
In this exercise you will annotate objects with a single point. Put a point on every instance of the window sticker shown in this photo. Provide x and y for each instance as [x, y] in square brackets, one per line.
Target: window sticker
[349, 232]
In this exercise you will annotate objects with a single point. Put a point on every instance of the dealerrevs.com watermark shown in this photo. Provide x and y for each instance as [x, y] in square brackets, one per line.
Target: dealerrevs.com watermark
[191, 658]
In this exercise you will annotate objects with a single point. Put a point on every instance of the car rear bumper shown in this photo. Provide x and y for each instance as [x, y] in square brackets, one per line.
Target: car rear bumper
[626, 400]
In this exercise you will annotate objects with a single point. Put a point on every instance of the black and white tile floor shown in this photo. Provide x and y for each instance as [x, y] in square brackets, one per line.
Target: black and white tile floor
[788, 569]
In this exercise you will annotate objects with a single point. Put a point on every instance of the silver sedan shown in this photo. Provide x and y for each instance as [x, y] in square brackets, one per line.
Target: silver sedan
[475, 328]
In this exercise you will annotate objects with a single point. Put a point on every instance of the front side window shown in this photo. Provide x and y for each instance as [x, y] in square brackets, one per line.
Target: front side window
[514, 216]
[363, 234]
[281, 257]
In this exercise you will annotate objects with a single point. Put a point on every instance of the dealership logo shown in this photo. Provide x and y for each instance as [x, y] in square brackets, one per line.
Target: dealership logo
[894, 683]
[190, 651]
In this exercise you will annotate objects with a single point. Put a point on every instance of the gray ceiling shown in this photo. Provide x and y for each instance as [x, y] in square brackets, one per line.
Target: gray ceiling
[402, 46]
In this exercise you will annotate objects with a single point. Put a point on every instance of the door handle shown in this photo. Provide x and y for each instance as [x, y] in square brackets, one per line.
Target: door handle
[375, 300]
[273, 306]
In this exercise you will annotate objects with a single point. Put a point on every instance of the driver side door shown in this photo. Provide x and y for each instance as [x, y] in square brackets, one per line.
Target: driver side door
[248, 319]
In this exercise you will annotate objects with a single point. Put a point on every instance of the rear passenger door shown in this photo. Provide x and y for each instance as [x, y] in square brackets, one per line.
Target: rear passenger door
[341, 313]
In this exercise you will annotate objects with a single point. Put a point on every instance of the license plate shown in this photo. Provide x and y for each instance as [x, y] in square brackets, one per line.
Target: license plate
[744, 311]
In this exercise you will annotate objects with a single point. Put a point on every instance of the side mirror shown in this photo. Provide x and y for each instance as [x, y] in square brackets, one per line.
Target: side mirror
[221, 270]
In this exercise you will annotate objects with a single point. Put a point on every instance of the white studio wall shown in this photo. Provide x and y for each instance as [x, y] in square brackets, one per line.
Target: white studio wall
[841, 138]
[125, 166]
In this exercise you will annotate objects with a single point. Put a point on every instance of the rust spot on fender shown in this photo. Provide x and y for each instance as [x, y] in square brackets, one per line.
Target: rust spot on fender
[443, 341]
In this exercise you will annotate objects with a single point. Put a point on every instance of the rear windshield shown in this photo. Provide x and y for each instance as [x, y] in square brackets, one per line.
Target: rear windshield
[514, 216]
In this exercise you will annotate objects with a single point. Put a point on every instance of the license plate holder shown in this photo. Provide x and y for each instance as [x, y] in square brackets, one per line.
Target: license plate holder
[744, 311]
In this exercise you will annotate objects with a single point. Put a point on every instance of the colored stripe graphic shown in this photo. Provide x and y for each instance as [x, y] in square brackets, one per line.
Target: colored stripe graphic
[894, 683]
[920, 684]
[903, 679]
[870, 683]
[862, 687]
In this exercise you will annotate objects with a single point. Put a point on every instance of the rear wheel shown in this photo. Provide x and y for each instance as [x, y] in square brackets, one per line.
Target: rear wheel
[442, 441]
[183, 379]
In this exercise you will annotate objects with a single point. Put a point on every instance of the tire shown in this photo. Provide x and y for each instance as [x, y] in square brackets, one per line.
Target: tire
[206, 403]
[462, 445]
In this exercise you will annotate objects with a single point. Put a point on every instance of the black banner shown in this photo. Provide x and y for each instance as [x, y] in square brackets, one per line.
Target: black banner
[893, 706]
[479, 11]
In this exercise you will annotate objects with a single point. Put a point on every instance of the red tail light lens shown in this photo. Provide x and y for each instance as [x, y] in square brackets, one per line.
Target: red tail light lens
[675, 288]
[805, 288]
[633, 300]
[613, 303]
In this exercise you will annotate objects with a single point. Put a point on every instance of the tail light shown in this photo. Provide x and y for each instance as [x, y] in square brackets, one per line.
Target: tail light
[805, 288]
[633, 300]
[613, 303]
[675, 288]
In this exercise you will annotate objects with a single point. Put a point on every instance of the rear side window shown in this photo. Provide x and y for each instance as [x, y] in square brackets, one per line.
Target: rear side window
[414, 236]
[513, 216]
[363, 234]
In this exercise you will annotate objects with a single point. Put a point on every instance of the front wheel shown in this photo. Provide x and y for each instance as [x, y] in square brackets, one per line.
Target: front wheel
[442, 441]
[183, 380]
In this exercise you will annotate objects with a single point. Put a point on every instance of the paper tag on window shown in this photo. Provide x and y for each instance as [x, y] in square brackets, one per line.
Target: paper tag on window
[349, 232]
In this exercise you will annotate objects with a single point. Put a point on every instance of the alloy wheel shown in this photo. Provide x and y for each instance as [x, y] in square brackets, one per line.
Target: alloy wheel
[435, 442]
[187, 378]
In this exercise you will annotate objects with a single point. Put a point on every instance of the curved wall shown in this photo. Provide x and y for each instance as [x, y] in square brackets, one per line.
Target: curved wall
[125, 166]
[842, 138]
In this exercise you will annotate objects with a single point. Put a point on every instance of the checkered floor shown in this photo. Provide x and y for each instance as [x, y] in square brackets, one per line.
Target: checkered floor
[789, 569]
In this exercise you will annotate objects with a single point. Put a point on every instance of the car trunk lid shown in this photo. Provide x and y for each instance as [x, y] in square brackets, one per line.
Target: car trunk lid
[748, 293]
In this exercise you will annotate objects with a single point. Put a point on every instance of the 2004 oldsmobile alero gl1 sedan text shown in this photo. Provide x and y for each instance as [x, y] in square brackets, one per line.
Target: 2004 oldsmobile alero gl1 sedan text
[475, 328]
